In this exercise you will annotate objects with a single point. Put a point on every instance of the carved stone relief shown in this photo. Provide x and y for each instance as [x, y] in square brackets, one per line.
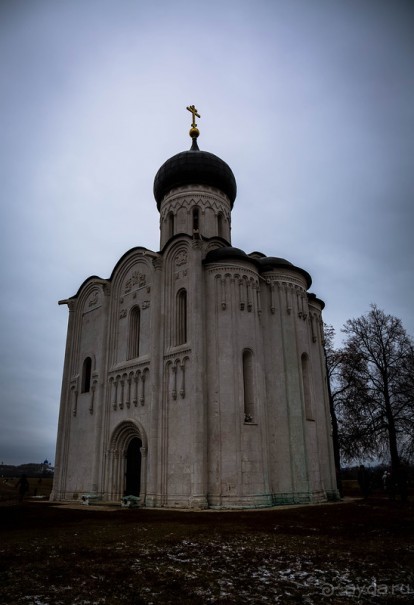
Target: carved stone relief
[93, 301]
[181, 258]
[137, 279]
[181, 274]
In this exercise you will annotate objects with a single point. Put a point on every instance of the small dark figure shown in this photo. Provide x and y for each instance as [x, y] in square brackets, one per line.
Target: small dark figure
[23, 486]
[363, 481]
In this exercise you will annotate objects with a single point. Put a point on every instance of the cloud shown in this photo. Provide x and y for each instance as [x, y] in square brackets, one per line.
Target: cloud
[311, 104]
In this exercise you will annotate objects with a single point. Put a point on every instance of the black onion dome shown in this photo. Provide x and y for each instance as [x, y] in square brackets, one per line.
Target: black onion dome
[312, 297]
[268, 263]
[226, 253]
[194, 167]
[264, 264]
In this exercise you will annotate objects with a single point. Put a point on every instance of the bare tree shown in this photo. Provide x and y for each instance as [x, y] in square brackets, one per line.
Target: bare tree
[374, 389]
[333, 363]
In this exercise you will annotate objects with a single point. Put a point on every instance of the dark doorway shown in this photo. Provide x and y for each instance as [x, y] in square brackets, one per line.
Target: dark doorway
[133, 472]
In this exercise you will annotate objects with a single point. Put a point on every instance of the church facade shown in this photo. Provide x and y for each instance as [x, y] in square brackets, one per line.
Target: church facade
[195, 376]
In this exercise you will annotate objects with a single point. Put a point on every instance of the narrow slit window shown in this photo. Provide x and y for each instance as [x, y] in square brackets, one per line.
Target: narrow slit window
[170, 224]
[86, 375]
[181, 318]
[220, 225]
[134, 333]
[196, 219]
[248, 386]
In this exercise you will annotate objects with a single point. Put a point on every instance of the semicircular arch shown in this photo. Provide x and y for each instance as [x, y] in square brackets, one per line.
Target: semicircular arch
[124, 432]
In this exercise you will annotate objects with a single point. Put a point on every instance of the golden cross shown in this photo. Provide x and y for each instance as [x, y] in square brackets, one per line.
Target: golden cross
[193, 110]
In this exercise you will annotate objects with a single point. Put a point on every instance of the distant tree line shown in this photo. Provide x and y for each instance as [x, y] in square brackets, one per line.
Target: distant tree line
[29, 469]
[371, 382]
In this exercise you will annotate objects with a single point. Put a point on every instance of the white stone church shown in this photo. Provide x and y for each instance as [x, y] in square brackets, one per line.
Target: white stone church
[195, 377]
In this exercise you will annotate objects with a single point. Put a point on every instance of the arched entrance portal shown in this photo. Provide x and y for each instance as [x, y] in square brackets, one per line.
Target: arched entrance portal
[133, 468]
[126, 462]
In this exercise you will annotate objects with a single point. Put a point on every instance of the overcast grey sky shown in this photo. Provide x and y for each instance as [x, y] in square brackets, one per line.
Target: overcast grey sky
[311, 103]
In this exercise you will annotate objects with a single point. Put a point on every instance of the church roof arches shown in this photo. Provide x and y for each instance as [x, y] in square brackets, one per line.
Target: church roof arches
[176, 250]
[134, 272]
[138, 252]
[177, 237]
[90, 294]
[123, 264]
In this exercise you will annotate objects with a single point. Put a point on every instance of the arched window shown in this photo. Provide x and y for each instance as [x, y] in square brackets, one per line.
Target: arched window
[306, 387]
[181, 317]
[170, 224]
[220, 224]
[86, 375]
[196, 219]
[134, 333]
[248, 386]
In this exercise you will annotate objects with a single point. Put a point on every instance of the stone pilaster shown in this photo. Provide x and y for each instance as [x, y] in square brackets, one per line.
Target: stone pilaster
[198, 412]
[98, 396]
[65, 413]
[156, 390]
